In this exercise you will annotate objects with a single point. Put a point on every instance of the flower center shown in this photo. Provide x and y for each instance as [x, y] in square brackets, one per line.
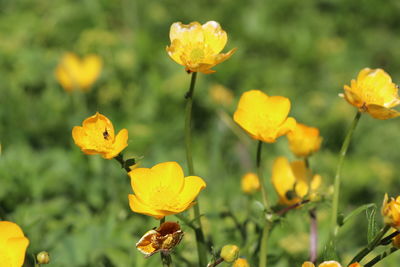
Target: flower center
[197, 54]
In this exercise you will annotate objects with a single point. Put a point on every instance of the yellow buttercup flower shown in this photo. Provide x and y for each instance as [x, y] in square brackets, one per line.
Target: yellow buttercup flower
[198, 47]
[163, 190]
[290, 180]
[241, 262]
[329, 264]
[373, 92]
[250, 183]
[13, 245]
[74, 73]
[96, 136]
[304, 140]
[391, 211]
[264, 117]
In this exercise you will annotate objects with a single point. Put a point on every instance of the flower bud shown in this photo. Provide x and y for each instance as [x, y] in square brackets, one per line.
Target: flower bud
[43, 257]
[230, 253]
[241, 263]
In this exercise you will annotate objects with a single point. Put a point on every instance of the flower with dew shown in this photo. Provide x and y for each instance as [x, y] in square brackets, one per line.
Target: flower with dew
[329, 264]
[373, 92]
[74, 73]
[250, 183]
[198, 47]
[167, 236]
[163, 190]
[264, 117]
[290, 181]
[96, 136]
[13, 244]
[304, 140]
[241, 262]
[391, 211]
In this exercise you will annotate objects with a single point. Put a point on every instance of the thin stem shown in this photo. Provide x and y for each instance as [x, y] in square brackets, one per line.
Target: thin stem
[200, 240]
[215, 263]
[374, 243]
[120, 159]
[264, 244]
[260, 176]
[389, 238]
[335, 199]
[380, 257]
[313, 235]
[292, 207]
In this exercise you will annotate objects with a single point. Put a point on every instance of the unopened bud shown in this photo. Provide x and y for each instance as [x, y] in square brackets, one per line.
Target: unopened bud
[230, 253]
[43, 257]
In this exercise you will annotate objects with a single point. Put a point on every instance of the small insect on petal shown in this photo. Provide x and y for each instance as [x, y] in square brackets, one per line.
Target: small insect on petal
[164, 239]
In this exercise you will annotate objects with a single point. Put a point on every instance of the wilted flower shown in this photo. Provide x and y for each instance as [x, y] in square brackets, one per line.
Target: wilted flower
[164, 238]
[96, 136]
[229, 253]
[241, 262]
[391, 211]
[290, 180]
[163, 190]
[264, 117]
[250, 183]
[74, 73]
[13, 245]
[304, 140]
[198, 47]
[373, 92]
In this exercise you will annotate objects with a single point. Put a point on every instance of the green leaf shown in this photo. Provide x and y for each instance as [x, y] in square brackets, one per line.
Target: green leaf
[357, 211]
[330, 250]
[372, 225]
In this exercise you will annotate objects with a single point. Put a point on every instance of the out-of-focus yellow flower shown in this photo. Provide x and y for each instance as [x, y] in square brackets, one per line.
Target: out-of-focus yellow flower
[164, 238]
[163, 190]
[396, 241]
[74, 73]
[304, 140]
[391, 211]
[198, 47]
[290, 180]
[373, 92]
[221, 95]
[96, 136]
[241, 262]
[329, 264]
[264, 117]
[229, 253]
[250, 183]
[13, 244]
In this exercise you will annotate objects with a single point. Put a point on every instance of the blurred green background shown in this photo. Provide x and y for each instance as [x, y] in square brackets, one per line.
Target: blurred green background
[75, 206]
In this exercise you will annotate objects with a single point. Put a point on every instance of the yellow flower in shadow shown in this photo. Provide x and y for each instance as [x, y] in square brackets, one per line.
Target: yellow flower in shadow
[74, 73]
[304, 140]
[264, 117]
[241, 262]
[96, 136]
[167, 236]
[290, 181]
[373, 92]
[250, 183]
[198, 47]
[13, 245]
[163, 190]
[391, 211]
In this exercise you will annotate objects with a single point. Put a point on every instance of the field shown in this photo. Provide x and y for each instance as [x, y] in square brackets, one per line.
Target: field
[75, 206]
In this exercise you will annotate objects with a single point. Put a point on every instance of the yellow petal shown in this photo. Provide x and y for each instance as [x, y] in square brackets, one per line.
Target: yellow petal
[278, 107]
[90, 70]
[121, 141]
[137, 206]
[214, 36]
[190, 33]
[142, 184]
[283, 179]
[308, 264]
[382, 113]
[330, 264]
[78, 134]
[16, 248]
[286, 127]
[13, 243]
[192, 187]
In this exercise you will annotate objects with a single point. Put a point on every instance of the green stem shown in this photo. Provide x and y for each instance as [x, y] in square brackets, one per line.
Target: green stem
[260, 176]
[120, 159]
[374, 243]
[200, 240]
[335, 199]
[215, 263]
[264, 244]
[380, 257]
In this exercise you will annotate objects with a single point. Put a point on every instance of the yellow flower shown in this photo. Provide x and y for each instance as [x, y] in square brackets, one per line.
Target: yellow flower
[250, 183]
[290, 180]
[198, 47]
[13, 245]
[391, 211]
[264, 117]
[241, 262]
[74, 73]
[373, 92]
[329, 264]
[167, 236]
[163, 190]
[304, 140]
[396, 242]
[96, 136]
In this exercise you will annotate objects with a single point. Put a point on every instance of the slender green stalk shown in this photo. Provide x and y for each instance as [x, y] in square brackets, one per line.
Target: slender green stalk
[264, 244]
[201, 246]
[380, 257]
[335, 199]
[215, 263]
[373, 244]
[313, 216]
[260, 176]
